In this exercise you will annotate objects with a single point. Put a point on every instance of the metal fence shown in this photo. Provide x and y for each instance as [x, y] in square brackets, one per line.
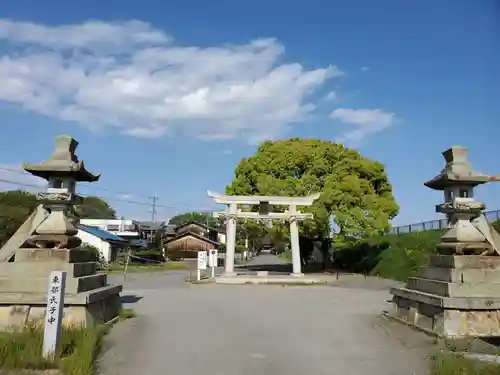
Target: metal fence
[491, 216]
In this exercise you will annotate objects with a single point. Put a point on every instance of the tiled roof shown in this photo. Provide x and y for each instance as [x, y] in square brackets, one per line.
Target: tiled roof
[102, 234]
[195, 235]
[151, 225]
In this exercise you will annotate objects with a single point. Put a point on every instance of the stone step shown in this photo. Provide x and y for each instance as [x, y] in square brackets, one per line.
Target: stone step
[40, 298]
[43, 269]
[462, 275]
[52, 255]
[465, 261]
[457, 303]
[449, 289]
[41, 284]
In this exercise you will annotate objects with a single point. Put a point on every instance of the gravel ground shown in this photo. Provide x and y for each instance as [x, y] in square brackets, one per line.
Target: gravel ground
[215, 329]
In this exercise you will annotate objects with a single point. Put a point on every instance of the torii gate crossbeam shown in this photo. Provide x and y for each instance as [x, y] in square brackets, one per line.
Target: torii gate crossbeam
[291, 215]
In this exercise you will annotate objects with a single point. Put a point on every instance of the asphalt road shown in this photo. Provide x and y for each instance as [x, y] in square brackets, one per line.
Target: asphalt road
[213, 329]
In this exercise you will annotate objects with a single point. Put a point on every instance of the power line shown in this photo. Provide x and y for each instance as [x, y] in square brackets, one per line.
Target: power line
[83, 195]
[80, 185]
[91, 187]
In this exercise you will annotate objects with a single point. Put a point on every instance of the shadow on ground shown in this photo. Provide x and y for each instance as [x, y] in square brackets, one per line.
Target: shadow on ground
[130, 298]
[272, 268]
[284, 268]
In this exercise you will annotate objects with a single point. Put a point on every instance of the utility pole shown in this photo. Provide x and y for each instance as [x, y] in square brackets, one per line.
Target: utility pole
[154, 198]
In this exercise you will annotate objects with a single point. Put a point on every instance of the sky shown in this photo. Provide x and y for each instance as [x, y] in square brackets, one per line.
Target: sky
[165, 98]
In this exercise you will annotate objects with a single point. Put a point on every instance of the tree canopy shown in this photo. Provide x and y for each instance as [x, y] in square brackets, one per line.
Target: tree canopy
[200, 217]
[95, 208]
[355, 191]
[17, 205]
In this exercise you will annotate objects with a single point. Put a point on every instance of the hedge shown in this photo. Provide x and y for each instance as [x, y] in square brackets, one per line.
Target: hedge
[148, 256]
[394, 256]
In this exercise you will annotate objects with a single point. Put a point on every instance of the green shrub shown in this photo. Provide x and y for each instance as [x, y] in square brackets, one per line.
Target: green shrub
[400, 264]
[240, 249]
[95, 255]
[496, 225]
[391, 256]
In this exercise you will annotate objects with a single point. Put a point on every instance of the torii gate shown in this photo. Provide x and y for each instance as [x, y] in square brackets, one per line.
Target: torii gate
[291, 215]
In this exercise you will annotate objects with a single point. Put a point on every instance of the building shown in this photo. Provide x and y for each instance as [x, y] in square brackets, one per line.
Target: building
[149, 229]
[186, 240]
[138, 233]
[107, 243]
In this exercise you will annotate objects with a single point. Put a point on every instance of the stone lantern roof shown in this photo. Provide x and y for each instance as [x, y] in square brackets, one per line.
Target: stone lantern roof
[63, 161]
[457, 171]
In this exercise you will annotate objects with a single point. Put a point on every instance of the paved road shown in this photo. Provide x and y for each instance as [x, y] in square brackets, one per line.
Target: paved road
[267, 330]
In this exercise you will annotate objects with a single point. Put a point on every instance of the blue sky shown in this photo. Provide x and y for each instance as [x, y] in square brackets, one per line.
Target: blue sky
[166, 97]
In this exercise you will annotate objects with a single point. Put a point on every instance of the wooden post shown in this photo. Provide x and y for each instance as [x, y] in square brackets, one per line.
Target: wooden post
[126, 264]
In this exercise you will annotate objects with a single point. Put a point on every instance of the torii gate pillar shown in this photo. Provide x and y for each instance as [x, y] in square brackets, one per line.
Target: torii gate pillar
[292, 215]
[230, 239]
[294, 242]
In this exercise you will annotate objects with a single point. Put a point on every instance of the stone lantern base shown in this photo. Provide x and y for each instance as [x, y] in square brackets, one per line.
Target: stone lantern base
[89, 300]
[457, 296]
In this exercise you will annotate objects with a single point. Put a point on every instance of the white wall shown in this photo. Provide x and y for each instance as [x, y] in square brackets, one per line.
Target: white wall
[104, 223]
[90, 239]
[221, 238]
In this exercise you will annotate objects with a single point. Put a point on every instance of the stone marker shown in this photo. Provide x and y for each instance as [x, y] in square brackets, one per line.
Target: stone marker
[201, 264]
[54, 314]
[54, 247]
[458, 294]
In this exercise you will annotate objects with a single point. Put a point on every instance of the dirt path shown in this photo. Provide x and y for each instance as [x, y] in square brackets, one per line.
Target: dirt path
[248, 330]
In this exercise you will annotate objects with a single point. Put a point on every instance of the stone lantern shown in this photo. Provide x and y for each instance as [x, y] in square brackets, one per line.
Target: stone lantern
[49, 243]
[458, 293]
[62, 171]
[457, 181]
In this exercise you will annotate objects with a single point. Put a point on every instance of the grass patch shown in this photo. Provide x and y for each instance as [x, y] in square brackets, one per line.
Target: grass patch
[453, 364]
[126, 314]
[176, 266]
[286, 256]
[22, 349]
[138, 268]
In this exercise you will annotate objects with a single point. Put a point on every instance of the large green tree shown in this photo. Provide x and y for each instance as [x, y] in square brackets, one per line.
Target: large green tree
[355, 191]
[200, 217]
[17, 205]
[95, 208]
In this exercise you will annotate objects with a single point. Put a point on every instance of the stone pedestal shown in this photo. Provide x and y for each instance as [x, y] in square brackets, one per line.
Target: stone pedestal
[89, 299]
[457, 296]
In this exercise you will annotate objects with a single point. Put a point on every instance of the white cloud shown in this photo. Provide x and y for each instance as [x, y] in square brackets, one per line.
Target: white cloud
[125, 196]
[131, 78]
[331, 96]
[365, 69]
[365, 121]
[13, 177]
[91, 35]
[227, 152]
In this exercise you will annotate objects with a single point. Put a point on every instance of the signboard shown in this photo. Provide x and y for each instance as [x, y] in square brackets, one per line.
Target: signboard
[54, 313]
[202, 260]
[213, 258]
